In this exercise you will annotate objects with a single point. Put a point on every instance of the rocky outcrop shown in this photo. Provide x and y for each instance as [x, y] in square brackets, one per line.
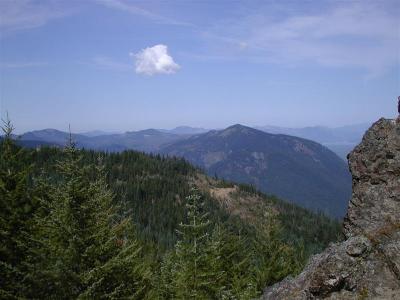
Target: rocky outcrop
[367, 264]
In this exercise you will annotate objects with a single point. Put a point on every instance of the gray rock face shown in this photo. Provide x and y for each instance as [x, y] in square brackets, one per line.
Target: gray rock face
[367, 264]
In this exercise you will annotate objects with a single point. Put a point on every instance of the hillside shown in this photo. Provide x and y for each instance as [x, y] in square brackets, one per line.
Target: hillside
[367, 264]
[299, 170]
[153, 189]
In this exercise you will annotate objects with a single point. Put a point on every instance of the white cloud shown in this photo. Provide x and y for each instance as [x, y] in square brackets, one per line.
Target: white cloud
[155, 60]
[27, 14]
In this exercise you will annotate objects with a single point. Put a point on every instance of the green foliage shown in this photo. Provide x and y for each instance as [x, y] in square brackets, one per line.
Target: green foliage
[306, 231]
[276, 259]
[86, 250]
[16, 209]
[223, 265]
[67, 217]
[221, 183]
[190, 271]
[151, 189]
[235, 258]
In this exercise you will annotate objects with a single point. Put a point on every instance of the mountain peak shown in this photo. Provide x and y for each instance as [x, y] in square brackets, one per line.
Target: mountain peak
[277, 164]
[237, 129]
[237, 126]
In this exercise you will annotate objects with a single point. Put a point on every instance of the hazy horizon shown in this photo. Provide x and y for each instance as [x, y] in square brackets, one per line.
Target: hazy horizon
[119, 65]
[116, 131]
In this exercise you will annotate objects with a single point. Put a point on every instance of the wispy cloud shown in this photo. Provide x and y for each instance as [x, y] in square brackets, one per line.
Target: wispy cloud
[108, 63]
[21, 65]
[155, 60]
[136, 10]
[27, 14]
[357, 34]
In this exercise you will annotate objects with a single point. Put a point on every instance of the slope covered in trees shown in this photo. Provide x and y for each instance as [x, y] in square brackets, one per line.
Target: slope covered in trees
[299, 170]
[85, 224]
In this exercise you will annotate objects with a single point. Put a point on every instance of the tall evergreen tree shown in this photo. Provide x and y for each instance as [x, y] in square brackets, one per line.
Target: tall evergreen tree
[236, 261]
[16, 208]
[203, 266]
[87, 250]
[275, 259]
[192, 266]
[186, 272]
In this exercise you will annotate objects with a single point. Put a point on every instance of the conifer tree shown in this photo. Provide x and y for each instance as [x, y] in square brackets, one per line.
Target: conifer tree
[276, 259]
[87, 250]
[203, 266]
[216, 273]
[192, 266]
[164, 282]
[185, 273]
[237, 263]
[16, 208]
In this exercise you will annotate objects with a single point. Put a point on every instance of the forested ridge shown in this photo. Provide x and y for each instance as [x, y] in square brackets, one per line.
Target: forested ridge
[79, 224]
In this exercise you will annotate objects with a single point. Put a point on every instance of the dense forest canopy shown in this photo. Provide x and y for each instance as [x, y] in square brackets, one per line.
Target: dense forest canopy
[85, 224]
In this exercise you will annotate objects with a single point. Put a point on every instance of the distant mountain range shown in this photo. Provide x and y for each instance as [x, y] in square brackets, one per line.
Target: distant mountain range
[296, 169]
[149, 140]
[93, 133]
[185, 130]
[340, 140]
[180, 130]
[321, 134]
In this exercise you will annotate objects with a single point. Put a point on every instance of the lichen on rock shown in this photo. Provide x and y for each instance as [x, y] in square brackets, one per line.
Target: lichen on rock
[367, 264]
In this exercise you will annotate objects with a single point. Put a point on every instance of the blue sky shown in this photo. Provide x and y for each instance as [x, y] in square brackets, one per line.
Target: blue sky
[129, 65]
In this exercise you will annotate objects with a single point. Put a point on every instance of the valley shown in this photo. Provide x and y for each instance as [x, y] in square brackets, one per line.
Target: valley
[296, 169]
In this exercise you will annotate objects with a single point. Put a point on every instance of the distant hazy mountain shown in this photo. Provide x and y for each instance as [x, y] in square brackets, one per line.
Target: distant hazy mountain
[320, 134]
[185, 130]
[97, 133]
[52, 136]
[149, 140]
[293, 168]
[32, 143]
[341, 140]
[341, 149]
